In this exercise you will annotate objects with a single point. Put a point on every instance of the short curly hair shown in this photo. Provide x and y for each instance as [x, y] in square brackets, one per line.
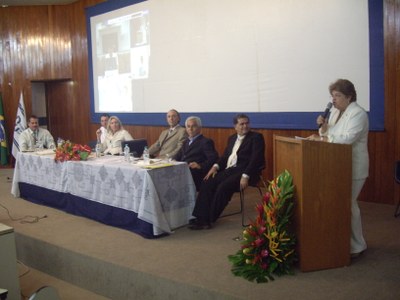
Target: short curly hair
[344, 86]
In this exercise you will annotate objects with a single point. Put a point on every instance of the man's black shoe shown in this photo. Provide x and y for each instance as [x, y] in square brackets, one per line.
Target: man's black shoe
[192, 221]
[199, 225]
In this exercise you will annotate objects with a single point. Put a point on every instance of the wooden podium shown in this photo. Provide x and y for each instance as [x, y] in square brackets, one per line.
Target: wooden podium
[322, 177]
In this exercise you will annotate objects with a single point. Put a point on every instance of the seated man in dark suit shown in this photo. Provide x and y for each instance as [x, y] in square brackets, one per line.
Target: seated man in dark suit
[242, 160]
[198, 151]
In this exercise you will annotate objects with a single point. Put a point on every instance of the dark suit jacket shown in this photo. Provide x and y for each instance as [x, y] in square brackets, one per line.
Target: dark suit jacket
[250, 155]
[202, 151]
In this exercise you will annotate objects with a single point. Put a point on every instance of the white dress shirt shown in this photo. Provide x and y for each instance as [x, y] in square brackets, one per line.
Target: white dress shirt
[29, 138]
[103, 134]
[232, 159]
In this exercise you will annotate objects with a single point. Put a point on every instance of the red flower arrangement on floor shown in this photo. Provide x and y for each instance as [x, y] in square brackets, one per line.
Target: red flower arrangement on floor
[70, 151]
[268, 245]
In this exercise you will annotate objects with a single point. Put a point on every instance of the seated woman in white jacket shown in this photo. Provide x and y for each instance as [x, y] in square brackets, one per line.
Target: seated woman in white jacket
[116, 134]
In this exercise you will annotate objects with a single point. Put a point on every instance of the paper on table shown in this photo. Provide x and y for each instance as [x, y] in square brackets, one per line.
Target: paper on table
[299, 138]
[156, 166]
[154, 163]
[45, 152]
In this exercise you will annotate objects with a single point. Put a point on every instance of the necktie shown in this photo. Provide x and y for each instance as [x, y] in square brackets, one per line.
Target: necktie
[35, 136]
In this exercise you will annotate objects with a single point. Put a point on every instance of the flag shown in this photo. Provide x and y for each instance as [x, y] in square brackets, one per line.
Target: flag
[20, 125]
[3, 137]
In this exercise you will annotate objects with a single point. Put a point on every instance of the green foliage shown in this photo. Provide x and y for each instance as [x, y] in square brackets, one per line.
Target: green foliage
[268, 246]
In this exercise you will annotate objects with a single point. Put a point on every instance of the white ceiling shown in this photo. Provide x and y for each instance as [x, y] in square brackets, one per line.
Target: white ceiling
[34, 2]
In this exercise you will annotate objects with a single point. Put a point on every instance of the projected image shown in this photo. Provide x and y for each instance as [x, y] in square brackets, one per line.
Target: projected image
[120, 57]
[216, 58]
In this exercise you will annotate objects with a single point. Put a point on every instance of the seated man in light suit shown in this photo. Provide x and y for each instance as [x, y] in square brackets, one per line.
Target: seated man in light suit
[241, 162]
[171, 140]
[198, 151]
[34, 135]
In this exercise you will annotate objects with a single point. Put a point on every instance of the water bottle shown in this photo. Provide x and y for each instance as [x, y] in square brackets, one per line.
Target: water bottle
[98, 150]
[59, 142]
[126, 152]
[146, 155]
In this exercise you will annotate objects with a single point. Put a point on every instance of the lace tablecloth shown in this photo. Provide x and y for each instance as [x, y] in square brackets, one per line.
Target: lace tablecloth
[163, 197]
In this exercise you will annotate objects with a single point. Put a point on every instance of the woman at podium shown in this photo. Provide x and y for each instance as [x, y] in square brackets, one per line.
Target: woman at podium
[348, 123]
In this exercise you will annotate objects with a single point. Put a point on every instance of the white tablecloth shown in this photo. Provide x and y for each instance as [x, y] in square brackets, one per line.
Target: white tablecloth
[163, 197]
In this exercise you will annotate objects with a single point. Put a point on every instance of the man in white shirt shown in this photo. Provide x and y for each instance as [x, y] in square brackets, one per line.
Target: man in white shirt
[35, 136]
[242, 161]
[103, 128]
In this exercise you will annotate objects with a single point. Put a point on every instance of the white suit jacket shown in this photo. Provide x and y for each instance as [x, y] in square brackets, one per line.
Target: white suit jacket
[352, 128]
[113, 142]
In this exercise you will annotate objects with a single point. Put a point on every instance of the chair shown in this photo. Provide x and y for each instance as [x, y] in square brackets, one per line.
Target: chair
[254, 183]
[92, 144]
[45, 293]
[3, 294]
[397, 178]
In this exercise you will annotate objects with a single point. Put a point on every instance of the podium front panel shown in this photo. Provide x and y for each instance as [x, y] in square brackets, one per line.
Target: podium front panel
[322, 177]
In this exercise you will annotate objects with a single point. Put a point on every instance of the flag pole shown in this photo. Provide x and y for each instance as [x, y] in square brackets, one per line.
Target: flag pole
[20, 125]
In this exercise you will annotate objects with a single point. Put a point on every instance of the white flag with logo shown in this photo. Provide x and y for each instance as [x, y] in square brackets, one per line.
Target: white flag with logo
[20, 125]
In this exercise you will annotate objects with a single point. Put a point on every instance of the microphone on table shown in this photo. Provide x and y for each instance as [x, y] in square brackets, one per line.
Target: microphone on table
[326, 112]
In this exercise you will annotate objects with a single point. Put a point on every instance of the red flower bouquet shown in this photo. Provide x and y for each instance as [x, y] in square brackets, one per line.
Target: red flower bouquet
[70, 151]
[268, 245]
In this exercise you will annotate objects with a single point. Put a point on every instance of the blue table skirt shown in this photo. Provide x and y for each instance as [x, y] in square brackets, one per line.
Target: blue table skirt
[78, 206]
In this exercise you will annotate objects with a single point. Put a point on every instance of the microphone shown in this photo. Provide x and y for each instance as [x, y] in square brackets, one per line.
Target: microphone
[326, 112]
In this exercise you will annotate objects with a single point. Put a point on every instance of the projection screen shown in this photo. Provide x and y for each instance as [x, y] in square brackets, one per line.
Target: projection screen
[271, 59]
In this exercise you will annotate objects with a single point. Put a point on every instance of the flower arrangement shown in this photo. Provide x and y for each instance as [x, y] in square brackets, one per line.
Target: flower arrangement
[70, 151]
[268, 245]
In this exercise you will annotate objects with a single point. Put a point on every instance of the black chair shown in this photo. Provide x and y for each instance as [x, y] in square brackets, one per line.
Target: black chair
[3, 294]
[397, 178]
[92, 144]
[256, 182]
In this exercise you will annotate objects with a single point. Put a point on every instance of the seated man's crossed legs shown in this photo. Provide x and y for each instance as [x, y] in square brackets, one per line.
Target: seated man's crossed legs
[214, 195]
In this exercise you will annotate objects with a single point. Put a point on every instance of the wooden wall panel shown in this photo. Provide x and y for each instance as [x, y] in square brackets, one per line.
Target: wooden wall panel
[48, 43]
[35, 46]
[392, 92]
[24, 52]
[61, 124]
[59, 43]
